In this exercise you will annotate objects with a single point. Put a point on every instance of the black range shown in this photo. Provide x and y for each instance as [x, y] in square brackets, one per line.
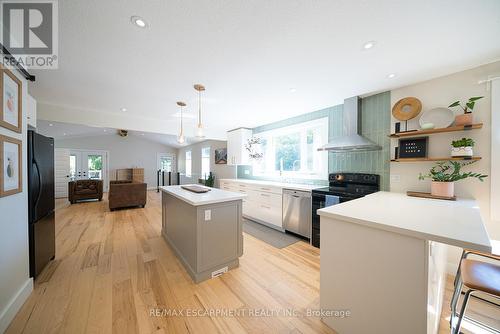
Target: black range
[347, 186]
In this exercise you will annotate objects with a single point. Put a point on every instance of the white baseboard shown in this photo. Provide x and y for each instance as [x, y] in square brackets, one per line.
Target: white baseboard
[15, 305]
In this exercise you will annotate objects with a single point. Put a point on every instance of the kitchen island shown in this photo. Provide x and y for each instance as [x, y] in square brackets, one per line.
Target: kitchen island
[203, 229]
[383, 259]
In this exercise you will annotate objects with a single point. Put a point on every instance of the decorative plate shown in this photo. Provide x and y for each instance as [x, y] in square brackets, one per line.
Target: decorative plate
[440, 117]
[407, 108]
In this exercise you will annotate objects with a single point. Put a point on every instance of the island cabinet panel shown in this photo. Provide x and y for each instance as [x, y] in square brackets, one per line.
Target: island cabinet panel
[218, 237]
[208, 238]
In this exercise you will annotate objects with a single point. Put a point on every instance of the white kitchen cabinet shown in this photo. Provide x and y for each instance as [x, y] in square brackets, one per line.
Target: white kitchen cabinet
[236, 152]
[263, 203]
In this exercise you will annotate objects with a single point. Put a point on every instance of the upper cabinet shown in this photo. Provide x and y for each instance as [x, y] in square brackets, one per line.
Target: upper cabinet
[236, 152]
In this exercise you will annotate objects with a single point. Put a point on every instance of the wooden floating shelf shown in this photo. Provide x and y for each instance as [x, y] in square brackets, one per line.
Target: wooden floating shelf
[439, 130]
[428, 195]
[432, 159]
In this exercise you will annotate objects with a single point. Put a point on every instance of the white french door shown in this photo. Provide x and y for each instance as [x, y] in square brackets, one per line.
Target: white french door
[62, 172]
[86, 164]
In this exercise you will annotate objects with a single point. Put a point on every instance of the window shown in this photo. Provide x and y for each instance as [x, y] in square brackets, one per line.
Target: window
[188, 163]
[205, 162]
[292, 151]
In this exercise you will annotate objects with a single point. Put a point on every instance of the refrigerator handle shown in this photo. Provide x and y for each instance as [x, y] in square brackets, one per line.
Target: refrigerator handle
[39, 178]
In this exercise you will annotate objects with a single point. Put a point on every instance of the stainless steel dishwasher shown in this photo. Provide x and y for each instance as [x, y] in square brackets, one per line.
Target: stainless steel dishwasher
[297, 212]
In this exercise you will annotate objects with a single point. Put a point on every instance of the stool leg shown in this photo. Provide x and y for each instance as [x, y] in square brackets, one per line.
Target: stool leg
[454, 300]
[457, 276]
[462, 312]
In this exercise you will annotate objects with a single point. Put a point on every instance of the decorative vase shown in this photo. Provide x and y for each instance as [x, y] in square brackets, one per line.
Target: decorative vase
[463, 119]
[443, 189]
[464, 151]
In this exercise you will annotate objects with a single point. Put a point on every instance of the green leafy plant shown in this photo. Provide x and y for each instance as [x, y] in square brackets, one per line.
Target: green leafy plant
[450, 171]
[210, 180]
[464, 142]
[469, 105]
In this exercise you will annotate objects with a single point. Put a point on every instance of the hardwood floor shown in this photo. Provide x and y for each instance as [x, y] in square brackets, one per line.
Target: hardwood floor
[113, 273]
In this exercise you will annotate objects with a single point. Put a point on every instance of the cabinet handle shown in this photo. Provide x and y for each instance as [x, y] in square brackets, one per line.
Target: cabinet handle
[242, 185]
[265, 195]
[265, 189]
[265, 206]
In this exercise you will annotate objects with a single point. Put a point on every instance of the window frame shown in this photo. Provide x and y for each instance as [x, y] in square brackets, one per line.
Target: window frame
[203, 174]
[188, 171]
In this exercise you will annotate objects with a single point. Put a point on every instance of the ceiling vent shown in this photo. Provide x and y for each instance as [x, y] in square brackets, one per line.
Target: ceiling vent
[123, 133]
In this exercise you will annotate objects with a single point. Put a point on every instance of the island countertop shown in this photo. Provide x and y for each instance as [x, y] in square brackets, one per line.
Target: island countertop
[213, 196]
[456, 223]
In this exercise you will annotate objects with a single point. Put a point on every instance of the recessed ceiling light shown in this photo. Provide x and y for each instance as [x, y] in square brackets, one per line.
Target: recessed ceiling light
[293, 90]
[105, 130]
[51, 124]
[64, 134]
[392, 75]
[139, 21]
[142, 134]
[368, 45]
[123, 109]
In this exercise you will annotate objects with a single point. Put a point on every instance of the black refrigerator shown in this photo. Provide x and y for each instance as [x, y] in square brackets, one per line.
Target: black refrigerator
[41, 201]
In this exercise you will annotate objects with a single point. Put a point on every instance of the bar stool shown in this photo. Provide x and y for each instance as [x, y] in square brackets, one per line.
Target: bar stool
[477, 277]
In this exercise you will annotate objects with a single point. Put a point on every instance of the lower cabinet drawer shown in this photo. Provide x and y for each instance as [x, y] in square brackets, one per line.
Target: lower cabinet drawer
[263, 212]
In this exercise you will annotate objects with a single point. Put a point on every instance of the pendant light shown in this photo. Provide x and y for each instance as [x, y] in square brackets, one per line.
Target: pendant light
[199, 127]
[180, 138]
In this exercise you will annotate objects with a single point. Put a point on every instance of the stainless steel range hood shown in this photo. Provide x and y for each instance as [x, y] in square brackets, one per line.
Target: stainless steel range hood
[352, 140]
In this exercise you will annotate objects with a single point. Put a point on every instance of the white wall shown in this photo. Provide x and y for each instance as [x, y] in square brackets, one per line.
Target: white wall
[220, 171]
[124, 152]
[441, 92]
[15, 284]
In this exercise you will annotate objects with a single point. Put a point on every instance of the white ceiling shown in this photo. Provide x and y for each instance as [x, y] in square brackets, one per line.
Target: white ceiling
[249, 54]
[59, 130]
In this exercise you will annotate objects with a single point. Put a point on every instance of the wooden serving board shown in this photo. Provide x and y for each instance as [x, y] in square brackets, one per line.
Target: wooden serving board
[428, 195]
[196, 189]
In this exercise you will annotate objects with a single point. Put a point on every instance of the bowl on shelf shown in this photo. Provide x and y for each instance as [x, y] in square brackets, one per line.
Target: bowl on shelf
[427, 126]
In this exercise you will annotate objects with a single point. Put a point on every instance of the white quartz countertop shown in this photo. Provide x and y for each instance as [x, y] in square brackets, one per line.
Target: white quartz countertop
[284, 185]
[213, 196]
[456, 223]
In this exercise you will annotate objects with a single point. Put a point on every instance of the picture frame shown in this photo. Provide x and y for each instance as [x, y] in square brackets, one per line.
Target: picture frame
[11, 181]
[221, 156]
[10, 101]
[413, 147]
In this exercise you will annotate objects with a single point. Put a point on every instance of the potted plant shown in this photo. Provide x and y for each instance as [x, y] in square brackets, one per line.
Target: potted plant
[444, 175]
[462, 147]
[466, 117]
[210, 180]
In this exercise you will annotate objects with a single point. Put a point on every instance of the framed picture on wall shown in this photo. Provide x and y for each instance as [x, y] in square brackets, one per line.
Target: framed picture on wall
[10, 100]
[11, 161]
[221, 156]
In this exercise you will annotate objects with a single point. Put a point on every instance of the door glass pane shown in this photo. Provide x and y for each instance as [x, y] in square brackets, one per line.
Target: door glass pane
[95, 166]
[166, 164]
[72, 166]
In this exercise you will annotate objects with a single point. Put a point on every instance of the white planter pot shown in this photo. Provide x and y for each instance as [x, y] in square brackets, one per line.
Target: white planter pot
[464, 151]
[443, 189]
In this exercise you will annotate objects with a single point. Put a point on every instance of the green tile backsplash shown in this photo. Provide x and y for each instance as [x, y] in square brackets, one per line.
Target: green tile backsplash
[376, 112]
